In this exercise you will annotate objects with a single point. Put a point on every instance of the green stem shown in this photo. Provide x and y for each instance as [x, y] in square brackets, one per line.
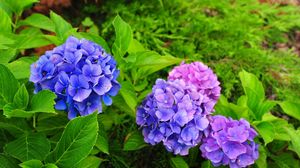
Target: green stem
[34, 121]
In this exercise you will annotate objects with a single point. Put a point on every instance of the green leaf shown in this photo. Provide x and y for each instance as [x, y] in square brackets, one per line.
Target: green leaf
[89, 162]
[8, 84]
[7, 55]
[29, 146]
[291, 108]
[134, 141]
[51, 125]
[18, 6]
[135, 47]
[253, 89]
[8, 161]
[76, 142]
[123, 38]
[43, 101]
[102, 140]
[30, 40]
[21, 67]
[178, 162]
[206, 164]
[261, 162]
[31, 164]
[148, 62]
[21, 98]
[50, 165]
[295, 140]
[271, 127]
[61, 25]
[87, 22]
[129, 95]
[38, 21]
[5, 22]
[15, 126]
[267, 131]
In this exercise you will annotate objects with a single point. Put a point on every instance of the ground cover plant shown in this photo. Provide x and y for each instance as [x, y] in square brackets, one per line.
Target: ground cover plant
[144, 84]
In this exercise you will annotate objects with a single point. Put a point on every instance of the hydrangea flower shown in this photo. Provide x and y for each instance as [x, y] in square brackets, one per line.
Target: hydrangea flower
[200, 75]
[230, 142]
[80, 73]
[174, 115]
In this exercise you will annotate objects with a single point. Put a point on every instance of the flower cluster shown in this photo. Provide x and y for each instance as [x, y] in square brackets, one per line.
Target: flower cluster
[230, 142]
[176, 111]
[80, 73]
[173, 114]
[200, 75]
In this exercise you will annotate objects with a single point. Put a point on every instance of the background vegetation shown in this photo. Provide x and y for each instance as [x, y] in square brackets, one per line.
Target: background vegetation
[253, 48]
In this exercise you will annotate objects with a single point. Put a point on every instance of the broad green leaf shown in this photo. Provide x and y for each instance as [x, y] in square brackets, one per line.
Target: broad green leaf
[21, 67]
[295, 140]
[61, 25]
[148, 62]
[264, 107]
[27, 41]
[135, 46]
[291, 108]
[8, 84]
[21, 98]
[50, 165]
[9, 110]
[29, 146]
[272, 128]
[253, 89]
[32, 164]
[129, 95]
[223, 108]
[18, 6]
[76, 142]
[123, 38]
[286, 160]
[6, 42]
[178, 162]
[43, 101]
[102, 140]
[267, 131]
[39, 21]
[261, 162]
[7, 55]
[89, 162]
[52, 124]
[5, 22]
[8, 161]
[206, 164]
[134, 141]
[15, 126]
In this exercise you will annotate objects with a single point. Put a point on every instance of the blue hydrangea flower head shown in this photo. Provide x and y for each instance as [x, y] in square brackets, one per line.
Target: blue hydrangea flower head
[174, 115]
[230, 142]
[81, 74]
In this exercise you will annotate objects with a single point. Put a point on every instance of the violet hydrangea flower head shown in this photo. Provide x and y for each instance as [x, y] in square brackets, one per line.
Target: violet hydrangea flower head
[80, 73]
[173, 114]
[200, 75]
[230, 142]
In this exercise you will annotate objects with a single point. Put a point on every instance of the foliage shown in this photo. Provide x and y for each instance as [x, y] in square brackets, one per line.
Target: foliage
[147, 38]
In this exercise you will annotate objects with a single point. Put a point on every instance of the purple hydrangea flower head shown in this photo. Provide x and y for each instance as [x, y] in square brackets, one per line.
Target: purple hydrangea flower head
[230, 142]
[80, 73]
[200, 75]
[174, 115]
